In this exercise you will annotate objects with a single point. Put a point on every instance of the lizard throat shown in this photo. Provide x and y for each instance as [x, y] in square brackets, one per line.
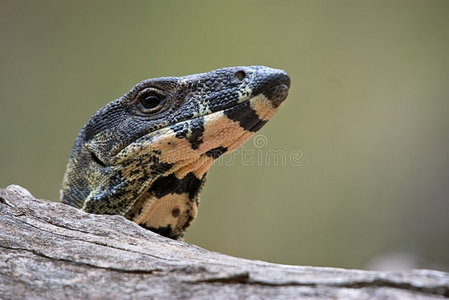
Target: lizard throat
[170, 201]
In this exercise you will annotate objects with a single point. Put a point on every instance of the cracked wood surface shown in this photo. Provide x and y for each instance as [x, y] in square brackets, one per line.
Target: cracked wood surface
[54, 251]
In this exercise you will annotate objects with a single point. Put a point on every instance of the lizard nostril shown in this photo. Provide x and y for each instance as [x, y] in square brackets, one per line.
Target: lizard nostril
[240, 75]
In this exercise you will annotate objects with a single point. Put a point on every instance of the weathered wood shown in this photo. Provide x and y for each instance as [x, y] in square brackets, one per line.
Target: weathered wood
[53, 251]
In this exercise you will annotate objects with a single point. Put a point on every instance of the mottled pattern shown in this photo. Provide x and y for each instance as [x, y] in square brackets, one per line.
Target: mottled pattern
[146, 154]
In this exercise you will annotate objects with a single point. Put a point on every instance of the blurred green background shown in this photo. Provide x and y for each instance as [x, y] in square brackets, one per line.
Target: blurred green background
[368, 113]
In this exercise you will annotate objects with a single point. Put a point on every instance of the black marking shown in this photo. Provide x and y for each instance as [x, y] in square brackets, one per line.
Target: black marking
[170, 184]
[192, 131]
[197, 130]
[164, 185]
[134, 172]
[164, 231]
[216, 152]
[188, 221]
[246, 116]
[132, 213]
[176, 212]
[181, 130]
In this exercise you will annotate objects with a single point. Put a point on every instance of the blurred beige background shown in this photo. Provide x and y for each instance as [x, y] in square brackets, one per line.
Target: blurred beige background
[364, 130]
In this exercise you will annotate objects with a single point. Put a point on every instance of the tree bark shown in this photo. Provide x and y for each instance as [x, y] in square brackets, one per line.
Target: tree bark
[54, 251]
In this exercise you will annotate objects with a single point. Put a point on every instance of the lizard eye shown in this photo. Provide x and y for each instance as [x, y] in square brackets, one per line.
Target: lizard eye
[150, 101]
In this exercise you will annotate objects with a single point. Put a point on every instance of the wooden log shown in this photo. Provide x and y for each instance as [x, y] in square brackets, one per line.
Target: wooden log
[53, 251]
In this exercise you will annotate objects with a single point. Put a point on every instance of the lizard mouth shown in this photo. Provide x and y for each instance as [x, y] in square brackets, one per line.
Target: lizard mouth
[271, 89]
[253, 113]
[277, 93]
[247, 113]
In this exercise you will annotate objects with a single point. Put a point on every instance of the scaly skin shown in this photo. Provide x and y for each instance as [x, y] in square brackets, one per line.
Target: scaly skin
[145, 155]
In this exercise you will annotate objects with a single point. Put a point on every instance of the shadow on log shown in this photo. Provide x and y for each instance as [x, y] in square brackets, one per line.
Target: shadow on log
[53, 251]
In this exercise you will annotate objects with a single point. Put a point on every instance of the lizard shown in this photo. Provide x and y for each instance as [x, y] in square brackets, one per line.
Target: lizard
[145, 155]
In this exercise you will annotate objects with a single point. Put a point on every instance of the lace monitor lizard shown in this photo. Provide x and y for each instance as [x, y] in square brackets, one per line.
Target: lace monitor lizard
[145, 155]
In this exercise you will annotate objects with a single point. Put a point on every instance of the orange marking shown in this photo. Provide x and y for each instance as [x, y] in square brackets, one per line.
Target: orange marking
[159, 212]
[263, 107]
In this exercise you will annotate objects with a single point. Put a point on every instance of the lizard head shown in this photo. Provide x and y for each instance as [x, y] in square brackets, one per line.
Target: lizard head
[149, 150]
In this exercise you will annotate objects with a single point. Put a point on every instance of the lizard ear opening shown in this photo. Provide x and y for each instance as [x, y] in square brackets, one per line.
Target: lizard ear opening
[97, 160]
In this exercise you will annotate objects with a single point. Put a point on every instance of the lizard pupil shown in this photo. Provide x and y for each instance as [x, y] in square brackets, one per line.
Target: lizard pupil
[150, 102]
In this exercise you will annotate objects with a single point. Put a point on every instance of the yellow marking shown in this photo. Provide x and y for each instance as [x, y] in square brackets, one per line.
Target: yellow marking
[203, 110]
[263, 107]
[159, 212]
[244, 94]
